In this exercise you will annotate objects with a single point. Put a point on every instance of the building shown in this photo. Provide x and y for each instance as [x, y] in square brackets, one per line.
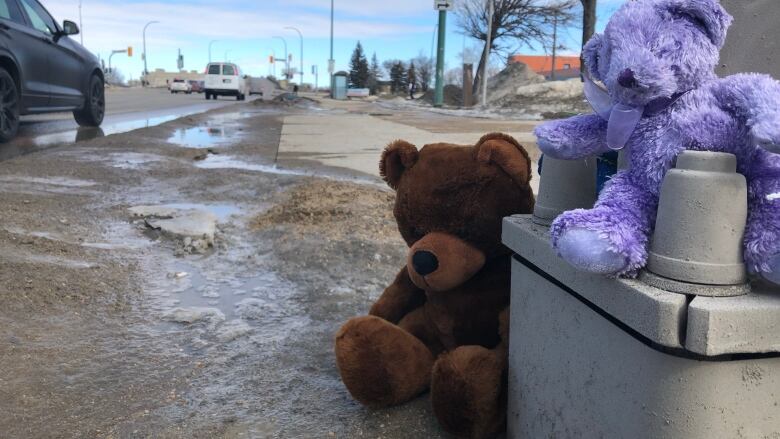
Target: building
[566, 67]
[160, 78]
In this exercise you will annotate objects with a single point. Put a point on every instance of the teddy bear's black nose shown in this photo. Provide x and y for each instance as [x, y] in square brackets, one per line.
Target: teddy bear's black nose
[424, 262]
[626, 79]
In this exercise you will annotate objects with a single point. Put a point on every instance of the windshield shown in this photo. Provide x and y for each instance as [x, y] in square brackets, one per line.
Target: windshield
[228, 70]
[214, 69]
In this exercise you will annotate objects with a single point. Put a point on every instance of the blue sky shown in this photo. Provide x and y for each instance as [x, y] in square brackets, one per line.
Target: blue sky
[245, 30]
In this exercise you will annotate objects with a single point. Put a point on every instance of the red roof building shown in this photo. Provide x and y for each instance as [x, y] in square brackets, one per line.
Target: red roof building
[565, 66]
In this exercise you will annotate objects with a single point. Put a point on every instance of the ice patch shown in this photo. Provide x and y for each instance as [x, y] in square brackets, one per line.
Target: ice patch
[233, 330]
[195, 314]
[226, 162]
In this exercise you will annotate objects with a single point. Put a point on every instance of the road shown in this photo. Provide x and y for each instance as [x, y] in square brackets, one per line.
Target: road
[126, 110]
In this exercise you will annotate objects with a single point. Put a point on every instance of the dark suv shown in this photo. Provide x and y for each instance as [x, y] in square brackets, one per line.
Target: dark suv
[43, 70]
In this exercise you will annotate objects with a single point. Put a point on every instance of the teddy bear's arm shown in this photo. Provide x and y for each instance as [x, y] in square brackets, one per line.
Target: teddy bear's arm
[400, 298]
[755, 100]
[574, 138]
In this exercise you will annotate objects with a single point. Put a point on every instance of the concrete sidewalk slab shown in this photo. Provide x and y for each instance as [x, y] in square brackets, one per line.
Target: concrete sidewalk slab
[356, 141]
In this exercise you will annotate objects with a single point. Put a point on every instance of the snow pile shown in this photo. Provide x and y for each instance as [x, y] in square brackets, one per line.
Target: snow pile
[551, 99]
[508, 80]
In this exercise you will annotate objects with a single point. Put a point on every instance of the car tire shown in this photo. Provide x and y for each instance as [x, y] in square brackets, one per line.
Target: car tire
[9, 107]
[94, 106]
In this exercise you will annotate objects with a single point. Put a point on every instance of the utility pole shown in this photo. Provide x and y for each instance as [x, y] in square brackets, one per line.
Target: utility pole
[331, 61]
[442, 6]
[210, 43]
[488, 49]
[146, 70]
[300, 35]
[555, 45]
[81, 26]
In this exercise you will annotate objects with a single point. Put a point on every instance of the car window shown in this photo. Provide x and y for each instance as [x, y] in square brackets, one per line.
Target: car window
[39, 18]
[228, 70]
[214, 69]
[10, 11]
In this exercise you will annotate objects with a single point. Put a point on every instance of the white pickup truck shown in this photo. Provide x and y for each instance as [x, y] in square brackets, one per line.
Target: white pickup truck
[225, 79]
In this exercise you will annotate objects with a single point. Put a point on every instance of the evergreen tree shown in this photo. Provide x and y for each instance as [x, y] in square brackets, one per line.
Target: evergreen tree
[358, 68]
[398, 76]
[374, 74]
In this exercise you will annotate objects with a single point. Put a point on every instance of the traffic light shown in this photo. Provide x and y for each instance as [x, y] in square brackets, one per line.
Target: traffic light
[271, 59]
[130, 51]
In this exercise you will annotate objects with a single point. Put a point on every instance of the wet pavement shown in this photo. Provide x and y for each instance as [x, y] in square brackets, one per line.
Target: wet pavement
[112, 326]
[127, 110]
[185, 280]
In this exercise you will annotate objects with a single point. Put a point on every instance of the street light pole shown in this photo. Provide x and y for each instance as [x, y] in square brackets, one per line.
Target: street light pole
[488, 48]
[146, 69]
[331, 61]
[81, 25]
[438, 97]
[210, 43]
[226, 55]
[286, 58]
[300, 35]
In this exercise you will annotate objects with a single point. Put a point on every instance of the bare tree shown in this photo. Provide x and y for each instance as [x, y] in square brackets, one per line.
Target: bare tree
[588, 23]
[424, 66]
[524, 22]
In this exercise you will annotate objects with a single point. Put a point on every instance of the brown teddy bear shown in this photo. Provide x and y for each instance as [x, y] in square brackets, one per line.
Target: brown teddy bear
[443, 323]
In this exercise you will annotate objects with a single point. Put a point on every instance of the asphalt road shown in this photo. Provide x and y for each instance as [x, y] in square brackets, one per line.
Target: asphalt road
[126, 110]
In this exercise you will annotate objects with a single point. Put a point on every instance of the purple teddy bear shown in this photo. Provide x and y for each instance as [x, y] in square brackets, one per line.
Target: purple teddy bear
[657, 59]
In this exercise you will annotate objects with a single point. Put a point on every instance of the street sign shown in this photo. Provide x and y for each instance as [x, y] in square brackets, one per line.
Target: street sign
[443, 5]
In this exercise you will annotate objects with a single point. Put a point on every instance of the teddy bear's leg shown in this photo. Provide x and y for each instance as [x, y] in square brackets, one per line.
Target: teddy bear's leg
[612, 237]
[469, 388]
[762, 237]
[380, 363]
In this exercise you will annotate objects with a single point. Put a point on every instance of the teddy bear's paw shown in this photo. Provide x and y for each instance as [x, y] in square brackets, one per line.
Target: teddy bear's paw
[774, 265]
[767, 135]
[467, 392]
[380, 363]
[586, 250]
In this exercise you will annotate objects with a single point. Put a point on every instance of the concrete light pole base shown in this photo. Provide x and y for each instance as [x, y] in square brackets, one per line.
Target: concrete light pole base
[564, 185]
[701, 221]
[597, 357]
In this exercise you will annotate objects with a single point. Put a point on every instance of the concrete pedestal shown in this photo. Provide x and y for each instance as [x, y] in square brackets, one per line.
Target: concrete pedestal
[596, 357]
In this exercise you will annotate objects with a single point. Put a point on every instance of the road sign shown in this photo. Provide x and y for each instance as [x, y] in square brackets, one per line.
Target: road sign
[443, 5]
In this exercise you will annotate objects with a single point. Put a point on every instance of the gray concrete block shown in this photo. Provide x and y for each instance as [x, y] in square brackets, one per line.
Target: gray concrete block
[656, 314]
[729, 325]
[575, 374]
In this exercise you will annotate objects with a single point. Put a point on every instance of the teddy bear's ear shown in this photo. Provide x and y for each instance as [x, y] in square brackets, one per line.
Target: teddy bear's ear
[708, 14]
[590, 54]
[504, 151]
[396, 159]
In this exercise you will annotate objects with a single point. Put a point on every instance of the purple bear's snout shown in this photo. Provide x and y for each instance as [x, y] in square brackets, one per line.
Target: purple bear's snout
[626, 79]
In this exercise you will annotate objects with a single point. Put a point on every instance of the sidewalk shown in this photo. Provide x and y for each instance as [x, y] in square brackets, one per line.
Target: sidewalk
[352, 135]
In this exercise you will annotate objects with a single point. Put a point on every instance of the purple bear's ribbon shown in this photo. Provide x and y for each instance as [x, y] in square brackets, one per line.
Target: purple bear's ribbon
[621, 119]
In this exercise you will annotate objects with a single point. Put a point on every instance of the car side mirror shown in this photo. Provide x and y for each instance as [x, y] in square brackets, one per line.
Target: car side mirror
[69, 28]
